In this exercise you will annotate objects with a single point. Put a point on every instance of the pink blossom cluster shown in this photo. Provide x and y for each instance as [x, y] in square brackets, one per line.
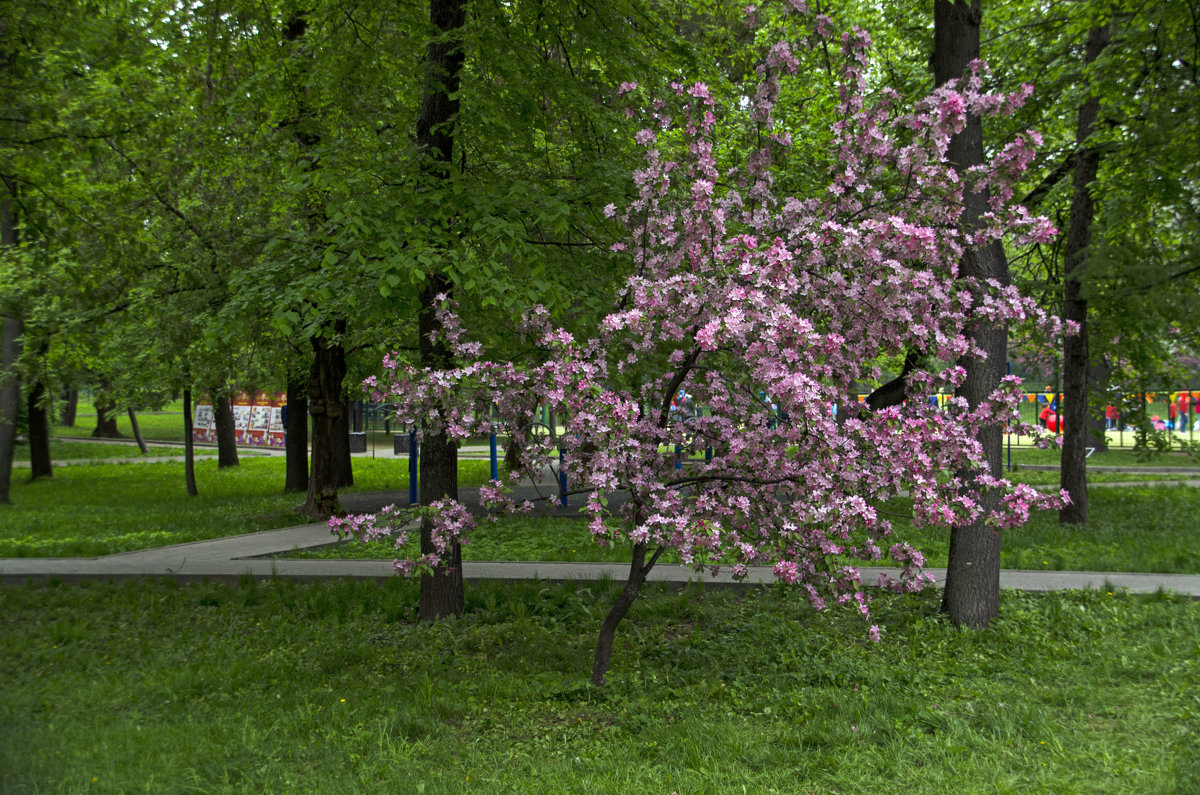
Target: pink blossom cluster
[769, 311]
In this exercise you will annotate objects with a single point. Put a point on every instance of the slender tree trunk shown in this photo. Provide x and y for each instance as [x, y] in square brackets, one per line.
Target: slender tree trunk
[40, 465]
[189, 447]
[972, 594]
[106, 420]
[296, 439]
[227, 454]
[10, 395]
[70, 408]
[137, 432]
[345, 462]
[1099, 378]
[1074, 410]
[325, 406]
[638, 569]
[10, 351]
[441, 593]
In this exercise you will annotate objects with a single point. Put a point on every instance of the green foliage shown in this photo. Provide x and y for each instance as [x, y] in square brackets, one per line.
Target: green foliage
[333, 687]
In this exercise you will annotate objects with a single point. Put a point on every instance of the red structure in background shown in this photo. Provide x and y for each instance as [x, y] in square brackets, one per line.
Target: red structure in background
[257, 419]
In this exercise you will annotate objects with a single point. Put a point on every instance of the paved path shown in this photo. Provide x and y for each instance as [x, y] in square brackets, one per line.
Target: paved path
[254, 555]
[259, 555]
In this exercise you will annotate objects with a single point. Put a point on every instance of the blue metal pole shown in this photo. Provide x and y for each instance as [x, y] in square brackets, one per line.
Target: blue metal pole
[495, 463]
[678, 457]
[562, 480]
[708, 453]
[412, 466]
[1008, 369]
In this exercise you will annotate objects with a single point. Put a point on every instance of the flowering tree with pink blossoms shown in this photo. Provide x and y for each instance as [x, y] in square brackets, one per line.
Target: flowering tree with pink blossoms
[769, 310]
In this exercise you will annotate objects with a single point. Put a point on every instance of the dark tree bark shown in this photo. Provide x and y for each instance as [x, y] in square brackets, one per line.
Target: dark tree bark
[325, 406]
[10, 395]
[972, 594]
[10, 351]
[39, 433]
[70, 408]
[227, 454]
[1074, 410]
[296, 439]
[137, 432]
[189, 448]
[345, 462]
[639, 568]
[1099, 380]
[441, 593]
[106, 420]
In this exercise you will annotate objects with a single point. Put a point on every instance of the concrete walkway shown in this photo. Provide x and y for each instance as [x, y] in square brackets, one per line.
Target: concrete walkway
[254, 555]
[264, 554]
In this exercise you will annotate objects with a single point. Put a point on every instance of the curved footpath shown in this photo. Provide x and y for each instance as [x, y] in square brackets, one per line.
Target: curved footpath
[262, 555]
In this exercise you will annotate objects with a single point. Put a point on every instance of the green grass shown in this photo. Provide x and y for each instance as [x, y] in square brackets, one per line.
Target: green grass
[1130, 529]
[1111, 458]
[88, 451]
[331, 687]
[101, 510]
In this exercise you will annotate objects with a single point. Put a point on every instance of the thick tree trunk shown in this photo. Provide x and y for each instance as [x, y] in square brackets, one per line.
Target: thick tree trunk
[189, 448]
[325, 406]
[972, 594]
[70, 408]
[10, 393]
[137, 432]
[1074, 410]
[39, 433]
[296, 438]
[227, 454]
[106, 420]
[441, 593]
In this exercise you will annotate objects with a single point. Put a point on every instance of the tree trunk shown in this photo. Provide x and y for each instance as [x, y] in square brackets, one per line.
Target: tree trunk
[638, 569]
[441, 593]
[189, 448]
[972, 594]
[106, 420]
[70, 408]
[10, 391]
[345, 463]
[227, 454]
[137, 432]
[1099, 378]
[1074, 410]
[325, 406]
[39, 433]
[10, 351]
[296, 437]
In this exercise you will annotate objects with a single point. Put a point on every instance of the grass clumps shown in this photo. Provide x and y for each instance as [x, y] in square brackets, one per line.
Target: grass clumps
[332, 687]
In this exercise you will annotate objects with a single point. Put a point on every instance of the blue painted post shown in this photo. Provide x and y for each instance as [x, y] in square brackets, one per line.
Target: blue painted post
[562, 480]
[678, 457]
[495, 463]
[1008, 370]
[413, 455]
[708, 454]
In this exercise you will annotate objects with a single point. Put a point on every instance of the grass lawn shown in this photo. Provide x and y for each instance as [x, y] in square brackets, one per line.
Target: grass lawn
[1130, 529]
[331, 687]
[89, 451]
[86, 511]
